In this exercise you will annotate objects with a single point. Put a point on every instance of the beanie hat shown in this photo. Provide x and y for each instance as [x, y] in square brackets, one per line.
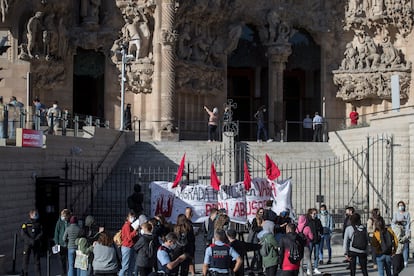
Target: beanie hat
[73, 220]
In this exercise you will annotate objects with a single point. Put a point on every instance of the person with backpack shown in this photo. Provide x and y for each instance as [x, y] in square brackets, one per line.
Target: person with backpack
[385, 243]
[291, 251]
[145, 251]
[404, 217]
[269, 248]
[304, 230]
[218, 257]
[356, 244]
[375, 213]
[185, 242]
[398, 259]
[317, 230]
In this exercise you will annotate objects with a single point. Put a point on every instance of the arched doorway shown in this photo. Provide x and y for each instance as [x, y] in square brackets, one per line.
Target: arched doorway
[88, 83]
[247, 80]
[301, 84]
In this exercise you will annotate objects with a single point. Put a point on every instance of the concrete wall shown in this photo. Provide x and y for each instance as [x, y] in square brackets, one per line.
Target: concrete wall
[19, 166]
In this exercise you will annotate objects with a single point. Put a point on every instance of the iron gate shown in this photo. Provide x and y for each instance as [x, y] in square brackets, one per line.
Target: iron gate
[361, 178]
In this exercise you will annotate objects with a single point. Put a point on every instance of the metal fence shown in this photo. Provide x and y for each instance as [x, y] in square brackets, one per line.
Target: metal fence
[362, 179]
[68, 124]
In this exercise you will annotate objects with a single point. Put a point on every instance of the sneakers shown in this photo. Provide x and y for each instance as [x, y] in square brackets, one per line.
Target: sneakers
[269, 140]
[316, 272]
[329, 262]
[405, 264]
[308, 272]
[321, 262]
[259, 141]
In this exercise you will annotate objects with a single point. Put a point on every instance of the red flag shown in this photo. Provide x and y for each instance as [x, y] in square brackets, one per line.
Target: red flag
[179, 172]
[272, 171]
[247, 179]
[214, 181]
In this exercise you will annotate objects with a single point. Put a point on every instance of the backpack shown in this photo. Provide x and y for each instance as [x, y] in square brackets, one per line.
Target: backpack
[386, 242]
[118, 238]
[301, 237]
[151, 249]
[359, 238]
[265, 248]
[296, 250]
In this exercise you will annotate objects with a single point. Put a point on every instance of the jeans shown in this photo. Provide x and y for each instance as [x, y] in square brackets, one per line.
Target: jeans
[362, 257]
[406, 250]
[82, 272]
[261, 128]
[127, 261]
[71, 261]
[314, 249]
[384, 261]
[325, 238]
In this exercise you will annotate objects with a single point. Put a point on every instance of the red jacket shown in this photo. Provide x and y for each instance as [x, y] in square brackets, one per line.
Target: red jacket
[287, 265]
[128, 235]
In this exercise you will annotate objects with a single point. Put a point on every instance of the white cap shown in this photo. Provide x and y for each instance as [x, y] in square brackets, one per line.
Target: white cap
[215, 110]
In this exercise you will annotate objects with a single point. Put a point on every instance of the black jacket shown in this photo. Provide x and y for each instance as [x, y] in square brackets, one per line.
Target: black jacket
[141, 248]
[316, 228]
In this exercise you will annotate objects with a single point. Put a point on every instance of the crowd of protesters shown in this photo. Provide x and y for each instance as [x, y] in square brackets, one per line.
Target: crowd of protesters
[152, 246]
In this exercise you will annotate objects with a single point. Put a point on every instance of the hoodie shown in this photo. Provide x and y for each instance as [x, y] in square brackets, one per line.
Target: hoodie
[304, 228]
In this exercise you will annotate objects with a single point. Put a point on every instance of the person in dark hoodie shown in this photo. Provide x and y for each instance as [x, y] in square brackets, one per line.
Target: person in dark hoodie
[145, 260]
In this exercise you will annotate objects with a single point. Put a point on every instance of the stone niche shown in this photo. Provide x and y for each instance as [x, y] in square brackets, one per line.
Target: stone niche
[372, 57]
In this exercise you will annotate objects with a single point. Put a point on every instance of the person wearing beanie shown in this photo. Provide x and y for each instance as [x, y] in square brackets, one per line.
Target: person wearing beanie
[71, 234]
[267, 239]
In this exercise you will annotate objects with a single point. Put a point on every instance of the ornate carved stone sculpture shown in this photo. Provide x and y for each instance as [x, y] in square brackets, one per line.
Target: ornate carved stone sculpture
[367, 66]
[89, 12]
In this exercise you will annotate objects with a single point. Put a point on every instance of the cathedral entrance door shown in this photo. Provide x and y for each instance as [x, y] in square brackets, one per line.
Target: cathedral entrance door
[240, 88]
[88, 83]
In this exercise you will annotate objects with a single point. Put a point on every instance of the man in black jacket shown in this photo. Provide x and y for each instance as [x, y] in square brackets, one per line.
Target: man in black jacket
[317, 231]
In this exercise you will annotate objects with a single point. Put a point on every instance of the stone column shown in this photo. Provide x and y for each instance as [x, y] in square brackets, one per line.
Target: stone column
[168, 38]
[278, 55]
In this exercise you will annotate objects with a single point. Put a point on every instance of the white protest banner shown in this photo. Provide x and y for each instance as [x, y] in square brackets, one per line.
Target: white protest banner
[256, 197]
[172, 201]
[282, 194]
[233, 199]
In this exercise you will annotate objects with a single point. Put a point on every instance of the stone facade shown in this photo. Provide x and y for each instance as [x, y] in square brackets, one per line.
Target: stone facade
[180, 53]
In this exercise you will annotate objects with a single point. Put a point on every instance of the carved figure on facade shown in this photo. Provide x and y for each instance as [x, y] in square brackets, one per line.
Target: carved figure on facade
[50, 37]
[350, 55]
[140, 79]
[34, 35]
[184, 49]
[62, 39]
[168, 37]
[275, 30]
[89, 12]
[390, 57]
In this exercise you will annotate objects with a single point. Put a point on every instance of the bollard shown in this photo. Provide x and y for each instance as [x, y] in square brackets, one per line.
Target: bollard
[48, 262]
[14, 253]
[282, 132]
[98, 123]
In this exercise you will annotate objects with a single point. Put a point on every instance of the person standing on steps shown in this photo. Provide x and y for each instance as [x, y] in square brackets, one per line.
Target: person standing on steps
[212, 123]
[259, 115]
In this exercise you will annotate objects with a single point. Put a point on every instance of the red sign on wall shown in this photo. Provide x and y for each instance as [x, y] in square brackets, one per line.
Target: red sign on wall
[32, 138]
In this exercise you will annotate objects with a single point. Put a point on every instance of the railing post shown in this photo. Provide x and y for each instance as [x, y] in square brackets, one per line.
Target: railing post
[48, 262]
[50, 130]
[76, 127]
[6, 123]
[106, 124]
[37, 120]
[14, 253]
[64, 122]
[22, 118]
[139, 130]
